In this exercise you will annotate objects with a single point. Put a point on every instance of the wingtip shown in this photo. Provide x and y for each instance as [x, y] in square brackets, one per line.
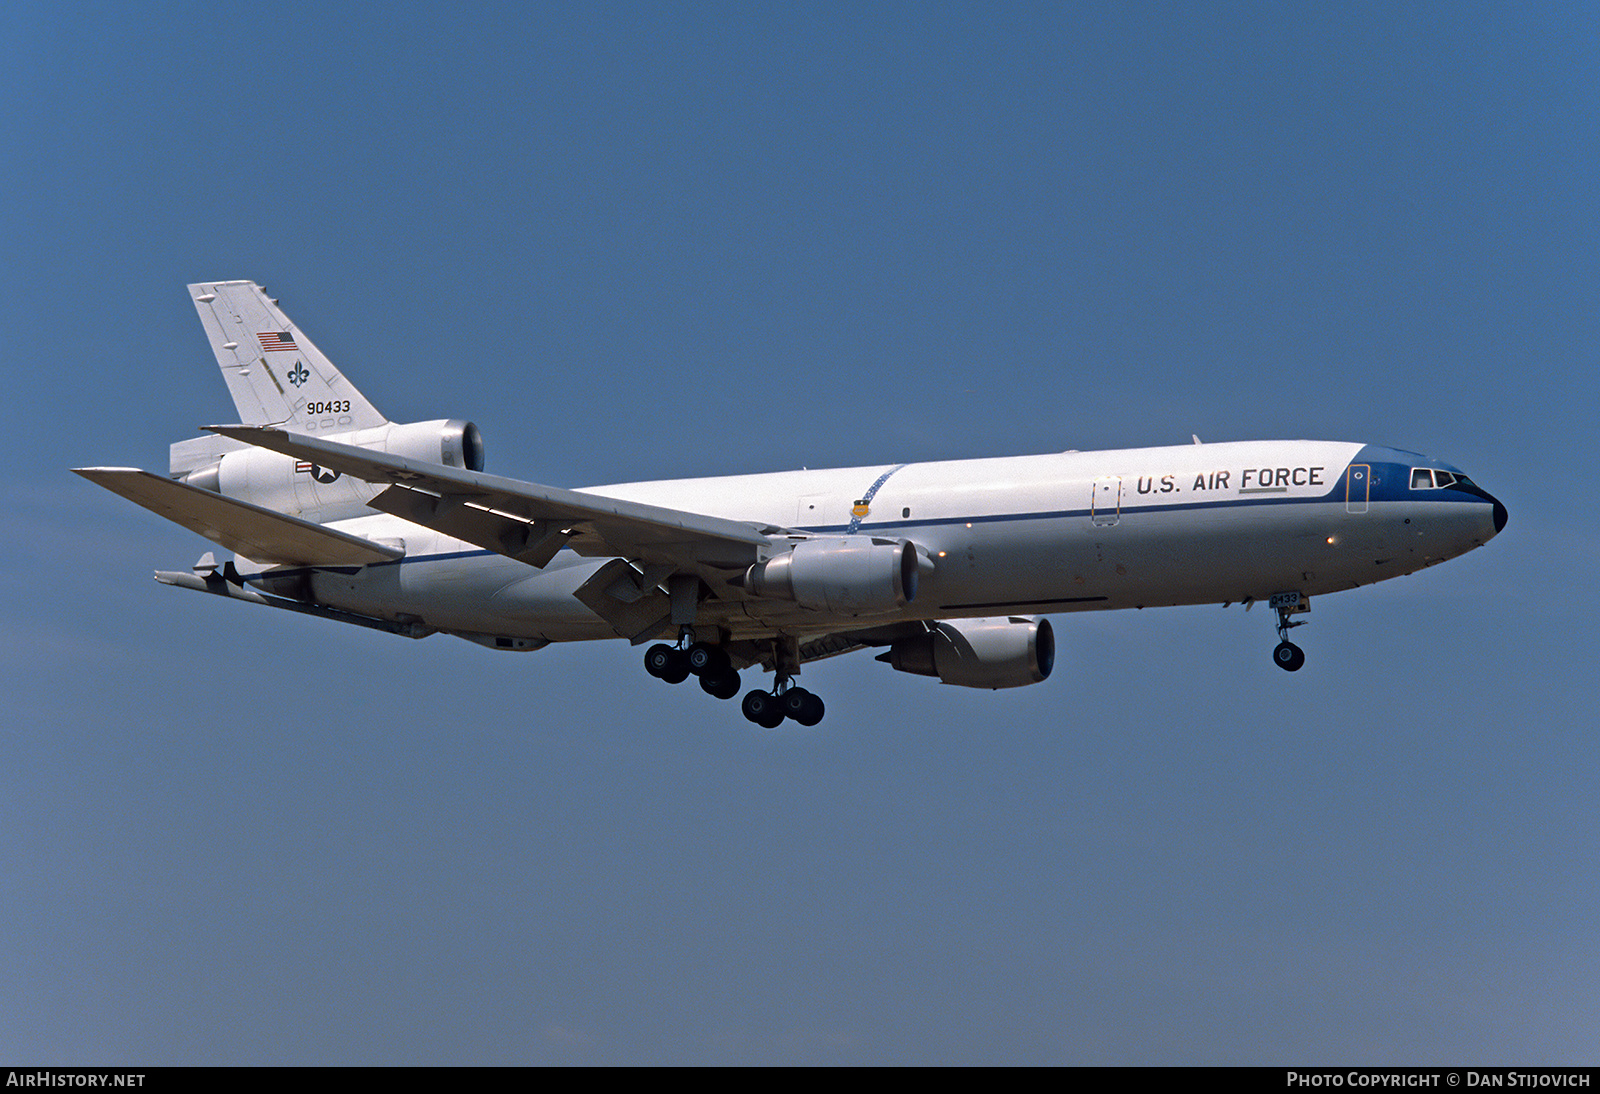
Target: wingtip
[237, 430]
[249, 427]
[91, 472]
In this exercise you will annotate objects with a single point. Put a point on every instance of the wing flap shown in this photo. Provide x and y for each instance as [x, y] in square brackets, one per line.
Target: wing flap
[598, 526]
[532, 541]
[261, 535]
[638, 615]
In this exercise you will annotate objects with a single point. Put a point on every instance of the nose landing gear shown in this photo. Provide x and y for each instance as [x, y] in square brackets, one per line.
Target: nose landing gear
[1286, 655]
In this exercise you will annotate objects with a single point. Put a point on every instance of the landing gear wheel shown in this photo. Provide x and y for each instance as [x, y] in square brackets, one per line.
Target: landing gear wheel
[665, 663]
[723, 685]
[706, 660]
[657, 658]
[763, 708]
[677, 669]
[1288, 656]
[813, 713]
[802, 706]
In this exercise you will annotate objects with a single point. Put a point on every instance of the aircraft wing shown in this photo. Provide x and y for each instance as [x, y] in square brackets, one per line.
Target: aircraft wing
[524, 520]
[261, 535]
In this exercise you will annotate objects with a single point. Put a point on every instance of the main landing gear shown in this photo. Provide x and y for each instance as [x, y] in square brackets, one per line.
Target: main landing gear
[674, 664]
[768, 709]
[718, 678]
[1286, 655]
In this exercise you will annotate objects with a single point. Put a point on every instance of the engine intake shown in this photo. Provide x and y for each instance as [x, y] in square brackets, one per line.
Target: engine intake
[1004, 652]
[454, 443]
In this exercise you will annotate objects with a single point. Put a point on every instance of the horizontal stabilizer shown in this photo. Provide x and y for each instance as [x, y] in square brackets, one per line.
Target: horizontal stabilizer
[258, 534]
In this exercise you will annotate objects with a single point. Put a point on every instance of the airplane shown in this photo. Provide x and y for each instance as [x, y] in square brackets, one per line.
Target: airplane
[948, 568]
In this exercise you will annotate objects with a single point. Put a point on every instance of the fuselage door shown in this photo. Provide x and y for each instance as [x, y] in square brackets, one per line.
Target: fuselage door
[1105, 506]
[1357, 487]
[812, 511]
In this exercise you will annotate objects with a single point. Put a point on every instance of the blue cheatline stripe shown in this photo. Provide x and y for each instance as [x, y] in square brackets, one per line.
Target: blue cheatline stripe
[1134, 511]
[1335, 495]
[855, 521]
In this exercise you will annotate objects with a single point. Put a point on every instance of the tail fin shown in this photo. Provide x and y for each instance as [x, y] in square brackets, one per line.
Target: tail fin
[274, 373]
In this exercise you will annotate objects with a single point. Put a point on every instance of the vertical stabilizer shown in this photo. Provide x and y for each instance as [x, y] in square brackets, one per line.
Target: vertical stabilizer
[274, 373]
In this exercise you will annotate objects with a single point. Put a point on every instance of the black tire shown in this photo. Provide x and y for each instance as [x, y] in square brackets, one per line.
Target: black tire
[807, 710]
[1288, 657]
[677, 670]
[707, 660]
[723, 685]
[762, 708]
[794, 701]
[657, 658]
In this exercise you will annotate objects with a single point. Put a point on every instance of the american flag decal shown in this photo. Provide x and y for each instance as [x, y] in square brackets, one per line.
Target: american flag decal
[274, 341]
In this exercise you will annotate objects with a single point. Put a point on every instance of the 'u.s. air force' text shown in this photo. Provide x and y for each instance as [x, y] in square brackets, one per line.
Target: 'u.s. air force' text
[1251, 480]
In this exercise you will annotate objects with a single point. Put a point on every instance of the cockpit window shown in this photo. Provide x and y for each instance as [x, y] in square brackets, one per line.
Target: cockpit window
[1428, 478]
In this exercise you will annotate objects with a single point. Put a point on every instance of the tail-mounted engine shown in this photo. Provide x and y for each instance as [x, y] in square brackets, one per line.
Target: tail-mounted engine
[279, 482]
[1005, 652]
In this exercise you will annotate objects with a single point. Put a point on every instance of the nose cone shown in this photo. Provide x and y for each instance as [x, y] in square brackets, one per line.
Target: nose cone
[1500, 515]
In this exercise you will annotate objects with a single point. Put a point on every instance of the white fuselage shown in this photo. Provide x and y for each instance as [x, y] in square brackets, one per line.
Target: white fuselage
[1020, 535]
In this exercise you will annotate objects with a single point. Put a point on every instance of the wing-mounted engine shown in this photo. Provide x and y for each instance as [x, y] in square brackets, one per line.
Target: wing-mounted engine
[1004, 652]
[841, 575]
[303, 488]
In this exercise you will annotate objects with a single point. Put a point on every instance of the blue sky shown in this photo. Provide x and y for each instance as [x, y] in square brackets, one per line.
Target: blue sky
[647, 241]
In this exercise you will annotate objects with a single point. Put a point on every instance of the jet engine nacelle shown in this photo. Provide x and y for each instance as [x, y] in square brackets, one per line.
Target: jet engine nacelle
[275, 481]
[1005, 652]
[843, 575]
